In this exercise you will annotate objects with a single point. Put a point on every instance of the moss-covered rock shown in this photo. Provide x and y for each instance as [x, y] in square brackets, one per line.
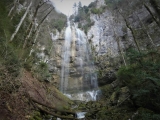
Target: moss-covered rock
[106, 90]
[114, 98]
[124, 94]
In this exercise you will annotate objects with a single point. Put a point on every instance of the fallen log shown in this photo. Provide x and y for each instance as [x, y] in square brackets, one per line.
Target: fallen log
[56, 115]
[55, 109]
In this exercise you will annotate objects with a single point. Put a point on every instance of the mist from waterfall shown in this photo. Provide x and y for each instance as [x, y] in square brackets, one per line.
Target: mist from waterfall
[78, 76]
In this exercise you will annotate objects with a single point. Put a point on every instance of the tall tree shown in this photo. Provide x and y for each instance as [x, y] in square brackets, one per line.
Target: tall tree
[144, 28]
[21, 21]
[75, 9]
[156, 7]
[150, 12]
[30, 30]
[117, 38]
[13, 9]
[79, 6]
[131, 29]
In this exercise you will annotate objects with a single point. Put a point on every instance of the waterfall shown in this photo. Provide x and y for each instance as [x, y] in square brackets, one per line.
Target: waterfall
[78, 77]
[66, 59]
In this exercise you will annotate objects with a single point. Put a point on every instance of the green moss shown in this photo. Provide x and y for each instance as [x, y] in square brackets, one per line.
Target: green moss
[114, 97]
[36, 116]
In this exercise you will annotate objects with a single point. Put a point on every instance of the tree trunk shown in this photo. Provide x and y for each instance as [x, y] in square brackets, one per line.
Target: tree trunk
[119, 47]
[13, 8]
[20, 23]
[54, 109]
[56, 115]
[150, 12]
[34, 42]
[34, 16]
[145, 30]
[130, 28]
[133, 34]
[121, 52]
[155, 7]
[43, 20]
[29, 30]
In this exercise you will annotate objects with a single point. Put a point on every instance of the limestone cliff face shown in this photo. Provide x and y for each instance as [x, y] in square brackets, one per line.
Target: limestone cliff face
[102, 34]
[111, 26]
[129, 24]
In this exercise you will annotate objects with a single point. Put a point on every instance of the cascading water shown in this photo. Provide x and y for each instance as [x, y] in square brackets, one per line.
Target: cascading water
[78, 77]
[66, 59]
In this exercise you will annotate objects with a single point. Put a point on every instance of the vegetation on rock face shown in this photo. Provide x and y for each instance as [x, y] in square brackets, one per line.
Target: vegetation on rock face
[82, 16]
[58, 21]
[59, 24]
[98, 10]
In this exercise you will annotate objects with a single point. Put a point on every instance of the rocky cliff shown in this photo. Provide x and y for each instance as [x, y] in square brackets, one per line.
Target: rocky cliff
[122, 25]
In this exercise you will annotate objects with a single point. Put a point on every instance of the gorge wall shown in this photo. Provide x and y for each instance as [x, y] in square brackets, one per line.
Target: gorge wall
[124, 25]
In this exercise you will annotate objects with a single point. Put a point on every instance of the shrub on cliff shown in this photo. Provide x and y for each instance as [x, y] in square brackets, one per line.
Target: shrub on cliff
[59, 24]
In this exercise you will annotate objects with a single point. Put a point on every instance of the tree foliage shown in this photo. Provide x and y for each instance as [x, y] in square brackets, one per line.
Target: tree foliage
[98, 10]
[59, 24]
[143, 78]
